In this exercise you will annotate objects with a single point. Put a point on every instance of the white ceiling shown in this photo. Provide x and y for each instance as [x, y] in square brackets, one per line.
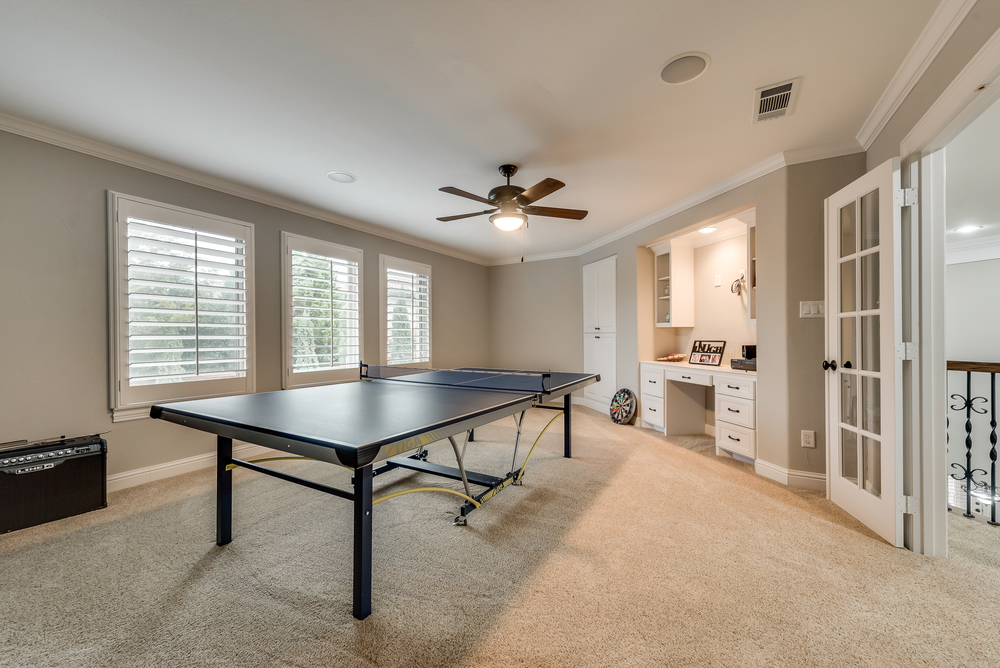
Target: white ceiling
[412, 96]
[972, 172]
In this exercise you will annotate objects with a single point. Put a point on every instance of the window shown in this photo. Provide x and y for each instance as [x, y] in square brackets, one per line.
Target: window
[182, 305]
[406, 311]
[321, 312]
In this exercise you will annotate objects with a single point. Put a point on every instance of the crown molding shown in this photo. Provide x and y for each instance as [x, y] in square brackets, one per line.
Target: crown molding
[960, 103]
[822, 152]
[973, 250]
[943, 23]
[772, 164]
[73, 142]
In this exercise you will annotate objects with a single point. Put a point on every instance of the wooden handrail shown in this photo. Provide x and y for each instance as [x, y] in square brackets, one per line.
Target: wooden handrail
[986, 367]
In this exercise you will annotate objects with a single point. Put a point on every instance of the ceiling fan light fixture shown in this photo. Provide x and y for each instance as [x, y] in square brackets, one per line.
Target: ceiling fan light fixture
[508, 222]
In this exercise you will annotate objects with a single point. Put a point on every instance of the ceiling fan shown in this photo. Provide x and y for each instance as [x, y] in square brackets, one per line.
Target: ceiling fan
[506, 200]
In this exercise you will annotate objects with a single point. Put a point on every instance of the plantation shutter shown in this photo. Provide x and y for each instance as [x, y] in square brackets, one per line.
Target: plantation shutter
[322, 315]
[408, 317]
[182, 317]
[187, 304]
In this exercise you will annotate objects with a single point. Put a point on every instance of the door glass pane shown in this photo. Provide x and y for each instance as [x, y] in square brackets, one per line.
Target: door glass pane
[871, 464]
[848, 226]
[869, 282]
[847, 286]
[849, 399]
[849, 455]
[871, 404]
[847, 348]
[869, 220]
[870, 352]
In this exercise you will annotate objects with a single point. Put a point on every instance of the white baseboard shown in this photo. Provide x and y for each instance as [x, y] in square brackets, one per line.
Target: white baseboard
[710, 429]
[806, 479]
[595, 405]
[169, 469]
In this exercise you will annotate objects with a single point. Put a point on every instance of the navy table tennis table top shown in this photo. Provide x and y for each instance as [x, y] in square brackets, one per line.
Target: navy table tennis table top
[366, 421]
[373, 426]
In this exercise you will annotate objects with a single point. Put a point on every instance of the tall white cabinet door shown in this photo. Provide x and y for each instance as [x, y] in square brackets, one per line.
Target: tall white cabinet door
[864, 393]
[606, 295]
[607, 353]
[590, 297]
[599, 356]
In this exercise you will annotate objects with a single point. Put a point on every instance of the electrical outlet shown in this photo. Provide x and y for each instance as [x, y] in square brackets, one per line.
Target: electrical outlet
[808, 439]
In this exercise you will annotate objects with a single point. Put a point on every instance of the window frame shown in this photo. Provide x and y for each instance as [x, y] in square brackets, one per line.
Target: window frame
[289, 378]
[132, 403]
[385, 263]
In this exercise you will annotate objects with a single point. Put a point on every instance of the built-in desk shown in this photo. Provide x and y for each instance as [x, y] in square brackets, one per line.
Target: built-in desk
[673, 398]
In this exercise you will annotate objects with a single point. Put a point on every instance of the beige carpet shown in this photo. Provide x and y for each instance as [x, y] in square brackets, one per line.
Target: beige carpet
[637, 552]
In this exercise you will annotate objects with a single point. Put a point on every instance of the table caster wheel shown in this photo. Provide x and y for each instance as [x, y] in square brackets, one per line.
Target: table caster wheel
[460, 521]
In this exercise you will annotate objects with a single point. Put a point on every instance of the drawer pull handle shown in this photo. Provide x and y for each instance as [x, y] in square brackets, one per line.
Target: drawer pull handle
[651, 409]
[686, 377]
[733, 387]
[733, 438]
[597, 337]
[651, 381]
[733, 410]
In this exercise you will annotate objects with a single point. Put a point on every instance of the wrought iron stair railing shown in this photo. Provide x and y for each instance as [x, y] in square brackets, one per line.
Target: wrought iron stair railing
[980, 495]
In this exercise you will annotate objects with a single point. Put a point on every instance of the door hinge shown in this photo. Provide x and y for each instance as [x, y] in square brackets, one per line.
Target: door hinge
[906, 350]
[909, 505]
[905, 197]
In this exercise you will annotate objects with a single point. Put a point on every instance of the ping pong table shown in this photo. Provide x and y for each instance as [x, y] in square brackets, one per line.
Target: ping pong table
[379, 424]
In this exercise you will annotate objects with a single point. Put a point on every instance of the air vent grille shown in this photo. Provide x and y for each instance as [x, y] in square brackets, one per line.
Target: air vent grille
[775, 100]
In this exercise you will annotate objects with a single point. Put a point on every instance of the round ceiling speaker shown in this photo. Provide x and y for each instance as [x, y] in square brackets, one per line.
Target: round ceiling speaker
[685, 67]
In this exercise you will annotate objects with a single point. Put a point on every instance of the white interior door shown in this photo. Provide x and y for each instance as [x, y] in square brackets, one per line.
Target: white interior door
[863, 296]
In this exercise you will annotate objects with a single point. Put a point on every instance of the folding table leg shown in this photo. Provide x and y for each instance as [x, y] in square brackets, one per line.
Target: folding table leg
[363, 542]
[567, 434]
[224, 492]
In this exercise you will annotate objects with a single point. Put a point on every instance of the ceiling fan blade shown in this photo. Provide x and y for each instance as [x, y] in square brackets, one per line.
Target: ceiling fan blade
[448, 219]
[540, 190]
[575, 214]
[461, 193]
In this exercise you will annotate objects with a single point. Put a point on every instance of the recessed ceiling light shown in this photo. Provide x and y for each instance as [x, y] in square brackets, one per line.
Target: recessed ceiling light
[342, 177]
[968, 228]
[707, 230]
[685, 67]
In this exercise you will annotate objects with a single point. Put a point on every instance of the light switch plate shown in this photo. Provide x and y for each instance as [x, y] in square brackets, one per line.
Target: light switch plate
[718, 280]
[812, 309]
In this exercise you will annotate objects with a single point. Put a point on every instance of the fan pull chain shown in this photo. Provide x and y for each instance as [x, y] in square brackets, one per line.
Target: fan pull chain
[522, 243]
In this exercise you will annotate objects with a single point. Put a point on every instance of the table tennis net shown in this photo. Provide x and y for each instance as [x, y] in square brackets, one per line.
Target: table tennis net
[501, 380]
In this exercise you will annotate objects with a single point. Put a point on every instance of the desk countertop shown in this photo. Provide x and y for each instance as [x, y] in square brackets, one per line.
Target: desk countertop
[704, 368]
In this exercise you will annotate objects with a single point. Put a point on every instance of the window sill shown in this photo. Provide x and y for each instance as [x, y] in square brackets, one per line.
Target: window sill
[128, 414]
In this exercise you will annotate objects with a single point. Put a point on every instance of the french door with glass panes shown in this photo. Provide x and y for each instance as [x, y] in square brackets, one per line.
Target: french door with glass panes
[864, 450]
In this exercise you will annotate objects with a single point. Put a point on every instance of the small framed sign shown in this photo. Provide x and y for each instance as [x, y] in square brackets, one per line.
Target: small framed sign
[707, 352]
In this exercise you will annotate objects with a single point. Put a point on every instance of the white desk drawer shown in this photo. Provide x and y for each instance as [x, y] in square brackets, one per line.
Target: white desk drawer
[652, 410]
[736, 439]
[652, 382]
[734, 410]
[685, 376]
[734, 387]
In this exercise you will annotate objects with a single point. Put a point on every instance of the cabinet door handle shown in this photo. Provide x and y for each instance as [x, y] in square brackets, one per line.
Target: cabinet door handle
[733, 387]
[597, 328]
[686, 377]
[732, 410]
[732, 438]
[597, 337]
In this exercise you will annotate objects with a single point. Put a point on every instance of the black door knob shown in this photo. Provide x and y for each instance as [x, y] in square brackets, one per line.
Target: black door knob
[829, 365]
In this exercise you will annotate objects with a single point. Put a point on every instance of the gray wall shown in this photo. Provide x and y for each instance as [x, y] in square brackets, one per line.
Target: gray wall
[53, 286]
[971, 317]
[977, 27]
[536, 315]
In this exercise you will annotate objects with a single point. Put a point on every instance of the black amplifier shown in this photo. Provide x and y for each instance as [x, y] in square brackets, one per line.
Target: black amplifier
[743, 365]
[49, 480]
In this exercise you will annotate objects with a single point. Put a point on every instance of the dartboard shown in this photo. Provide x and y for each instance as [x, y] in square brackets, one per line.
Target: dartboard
[623, 406]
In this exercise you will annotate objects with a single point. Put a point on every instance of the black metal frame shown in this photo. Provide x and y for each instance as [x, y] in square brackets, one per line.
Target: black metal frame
[362, 497]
